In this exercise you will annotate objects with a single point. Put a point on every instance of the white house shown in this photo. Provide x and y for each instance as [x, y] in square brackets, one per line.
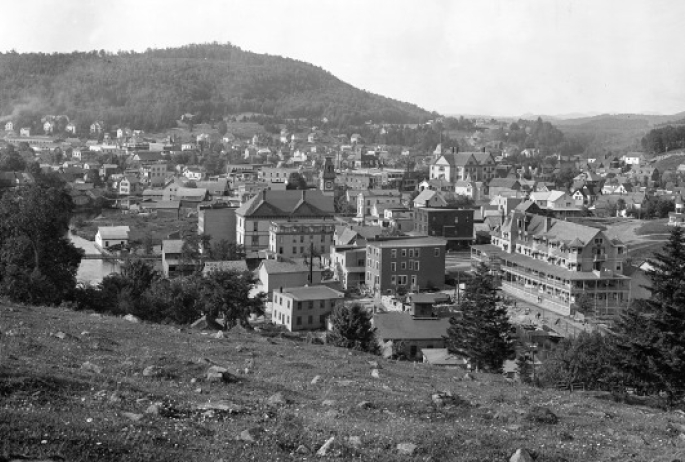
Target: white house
[108, 236]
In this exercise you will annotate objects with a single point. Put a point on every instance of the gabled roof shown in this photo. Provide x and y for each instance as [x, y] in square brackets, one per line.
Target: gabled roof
[113, 232]
[280, 267]
[288, 203]
[172, 245]
[459, 158]
[392, 326]
[510, 183]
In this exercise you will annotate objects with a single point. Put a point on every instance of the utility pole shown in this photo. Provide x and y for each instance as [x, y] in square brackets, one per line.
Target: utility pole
[311, 262]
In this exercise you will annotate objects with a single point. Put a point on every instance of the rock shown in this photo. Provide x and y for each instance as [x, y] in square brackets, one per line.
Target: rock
[541, 414]
[316, 380]
[374, 374]
[355, 442]
[84, 333]
[61, 335]
[346, 383]
[329, 402]
[115, 397]
[153, 371]
[219, 334]
[132, 416]
[132, 318]
[437, 400]
[521, 455]
[193, 380]
[374, 364]
[406, 449]
[249, 436]
[323, 450]
[90, 367]
[469, 377]
[220, 374]
[277, 399]
[240, 348]
[365, 405]
[153, 409]
[302, 450]
[331, 414]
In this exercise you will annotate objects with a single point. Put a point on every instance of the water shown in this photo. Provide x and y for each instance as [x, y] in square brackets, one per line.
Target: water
[92, 270]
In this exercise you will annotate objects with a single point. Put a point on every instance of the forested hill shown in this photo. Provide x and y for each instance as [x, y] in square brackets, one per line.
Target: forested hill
[150, 90]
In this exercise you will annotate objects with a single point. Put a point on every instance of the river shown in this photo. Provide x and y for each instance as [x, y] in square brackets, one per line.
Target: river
[92, 270]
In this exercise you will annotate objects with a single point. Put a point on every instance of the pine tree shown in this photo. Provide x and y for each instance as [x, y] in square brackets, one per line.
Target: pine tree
[651, 332]
[351, 328]
[483, 331]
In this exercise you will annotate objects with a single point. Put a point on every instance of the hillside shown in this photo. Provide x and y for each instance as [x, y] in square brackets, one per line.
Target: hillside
[81, 386]
[151, 90]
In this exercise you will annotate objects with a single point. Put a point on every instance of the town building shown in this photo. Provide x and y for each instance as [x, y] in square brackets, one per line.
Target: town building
[405, 264]
[256, 215]
[551, 263]
[295, 239]
[366, 200]
[454, 225]
[217, 221]
[108, 236]
[327, 178]
[466, 166]
[348, 263]
[172, 263]
[304, 308]
[275, 274]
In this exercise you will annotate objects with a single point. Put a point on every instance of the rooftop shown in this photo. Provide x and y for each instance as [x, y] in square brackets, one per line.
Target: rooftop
[313, 293]
[113, 232]
[404, 326]
[417, 242]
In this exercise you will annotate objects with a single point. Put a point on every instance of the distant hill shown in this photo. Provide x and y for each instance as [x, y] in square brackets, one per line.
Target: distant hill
[151, 90]
[630, 121]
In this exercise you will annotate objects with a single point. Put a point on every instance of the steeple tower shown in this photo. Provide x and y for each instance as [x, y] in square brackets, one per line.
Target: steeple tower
[327, 178]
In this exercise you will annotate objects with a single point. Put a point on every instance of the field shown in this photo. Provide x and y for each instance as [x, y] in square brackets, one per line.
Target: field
[157, 228]
[89, 387]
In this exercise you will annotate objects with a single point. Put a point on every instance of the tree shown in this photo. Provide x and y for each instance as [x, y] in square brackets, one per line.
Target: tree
[38, 264]
[585, 304]
[483, 332]
[296, 181]
[225, 250]
[227, 294]
[351, 328]
[651, 332]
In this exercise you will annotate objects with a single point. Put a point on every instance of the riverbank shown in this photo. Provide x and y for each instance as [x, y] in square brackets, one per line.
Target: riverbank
[141, 226]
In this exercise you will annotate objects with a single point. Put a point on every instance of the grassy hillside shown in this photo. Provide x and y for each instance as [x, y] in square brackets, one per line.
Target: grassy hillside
[150, 90]
[80, 386]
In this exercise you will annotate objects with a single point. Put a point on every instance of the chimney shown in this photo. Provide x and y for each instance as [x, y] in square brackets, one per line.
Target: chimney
[304, 195]
[281, 290]
[454, 150]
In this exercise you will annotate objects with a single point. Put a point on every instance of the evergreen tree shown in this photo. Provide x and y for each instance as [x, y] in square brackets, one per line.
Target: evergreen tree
[351, 328]
[651, 332]
[482, 333]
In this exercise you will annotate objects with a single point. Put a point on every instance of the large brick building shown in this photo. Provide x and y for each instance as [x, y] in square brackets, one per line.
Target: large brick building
[411, 264]
[454, 225]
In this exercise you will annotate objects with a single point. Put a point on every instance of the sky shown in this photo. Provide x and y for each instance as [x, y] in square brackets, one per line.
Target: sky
[494, 57]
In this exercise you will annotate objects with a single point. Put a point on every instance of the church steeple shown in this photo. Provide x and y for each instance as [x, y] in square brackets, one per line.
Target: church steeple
[327, 177]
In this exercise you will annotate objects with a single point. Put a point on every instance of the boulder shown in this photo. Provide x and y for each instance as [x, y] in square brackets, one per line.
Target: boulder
[469, 377]
[131, 318]
[219, 334]
[406, 449]
[302, 450]
[277, 399]
[365, 405]
[541, 414]
[329, 402]
[374, 374]
[316, 380]
[132, 416]
[521, 455]
[251, 435]
[374, 364]
[90, 367]
[153, 371]
[153, 409]
[354, 441]
[323, 450]
[220, 374]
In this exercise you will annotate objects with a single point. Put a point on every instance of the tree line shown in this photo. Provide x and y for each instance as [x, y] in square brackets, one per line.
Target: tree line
[664, 139]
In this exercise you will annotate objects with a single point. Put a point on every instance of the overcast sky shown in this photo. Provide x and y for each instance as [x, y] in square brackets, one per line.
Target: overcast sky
[498, 57]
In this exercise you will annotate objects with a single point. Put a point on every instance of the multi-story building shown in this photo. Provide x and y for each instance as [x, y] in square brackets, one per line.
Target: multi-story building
[305, 308]
[348, 263]
[366, 200]
[551, 263]
[256, 215]
[154, 174]
[454, 225]
[410, 264]
[465, 166]
[301, 238]
[218, 221]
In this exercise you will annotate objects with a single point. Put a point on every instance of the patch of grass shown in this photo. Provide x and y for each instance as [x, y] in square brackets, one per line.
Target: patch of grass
[50, 406]
[654, 227]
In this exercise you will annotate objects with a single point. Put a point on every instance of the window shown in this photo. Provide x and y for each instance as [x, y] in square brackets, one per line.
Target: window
[299, 320]
[413, 280]
[322, 319]
[393, 266]
[301, 238]
[416, 266]
[411, 264]
[311, 304]
[402, 280]
[437, 251]
[620, 250]
[255, 240]
[393, 280]
[255, 226]
[322, 304]
[393, 253]
[310, 320]
[376, 265]
[411, 253]
[403, 265]
[294, 249]
[404, 252]
[416, 252]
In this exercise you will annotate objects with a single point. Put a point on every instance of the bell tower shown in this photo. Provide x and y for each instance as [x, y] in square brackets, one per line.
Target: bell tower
[327, 178]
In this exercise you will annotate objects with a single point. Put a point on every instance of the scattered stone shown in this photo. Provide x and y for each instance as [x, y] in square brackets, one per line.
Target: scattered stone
[365, 405]
[240, 348]
[374, 374]
[193, 380]
[219, 334]
[541, 414]
[346, 383]
[513, 428]
[316, 380]
[249, 436]
[132, 416]
[277, 399]
[153, 371]
[469, 377]
[222, 406]
[329, 402]
[115, 397]
[88, 366]
[332, 414]
[374, 364]
[84, 333]
[406, 449]
[302, 450]
[355, 442]
[153, 409]
[61, 335]
[521, 455]
[323, 450]
[198, 390]
[132, 318]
